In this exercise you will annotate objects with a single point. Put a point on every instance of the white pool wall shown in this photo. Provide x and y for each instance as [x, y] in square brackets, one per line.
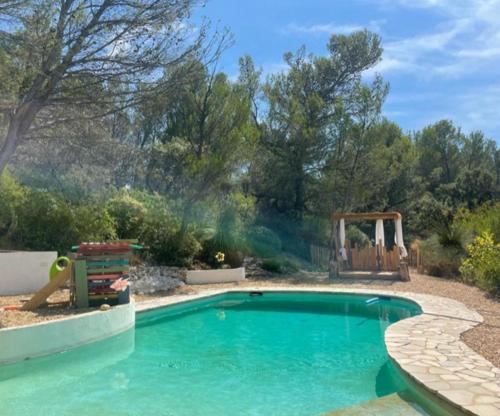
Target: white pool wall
[30, 341]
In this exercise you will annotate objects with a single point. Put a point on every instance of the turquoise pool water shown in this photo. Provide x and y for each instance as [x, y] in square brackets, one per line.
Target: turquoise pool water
[234, 354]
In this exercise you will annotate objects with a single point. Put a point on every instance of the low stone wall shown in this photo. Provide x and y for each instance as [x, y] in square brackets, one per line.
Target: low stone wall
[199, 277]
[50, 337]
[24, 272]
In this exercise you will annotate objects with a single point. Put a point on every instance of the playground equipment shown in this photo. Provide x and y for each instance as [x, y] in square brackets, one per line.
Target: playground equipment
[377, 261]
[100, 272]
[58, 276]
[97, 274]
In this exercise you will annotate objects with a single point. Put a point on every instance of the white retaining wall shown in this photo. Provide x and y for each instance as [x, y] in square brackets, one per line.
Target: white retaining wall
[45, 338]
[24, 272]
[197, 277]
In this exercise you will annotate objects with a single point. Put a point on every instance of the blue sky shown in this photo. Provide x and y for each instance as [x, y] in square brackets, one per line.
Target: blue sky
[441, 57]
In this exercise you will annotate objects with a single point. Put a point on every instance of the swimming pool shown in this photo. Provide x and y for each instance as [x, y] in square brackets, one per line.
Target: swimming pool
[239, 353]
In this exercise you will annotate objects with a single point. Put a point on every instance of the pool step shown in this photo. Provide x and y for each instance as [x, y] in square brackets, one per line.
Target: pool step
[391, 405]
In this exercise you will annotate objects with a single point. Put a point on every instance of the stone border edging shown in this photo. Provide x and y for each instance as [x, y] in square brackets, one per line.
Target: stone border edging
[426, 347]
[49, 337]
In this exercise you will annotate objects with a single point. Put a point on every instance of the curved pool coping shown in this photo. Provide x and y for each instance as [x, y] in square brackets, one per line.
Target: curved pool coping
[44, 338]
[427, 347]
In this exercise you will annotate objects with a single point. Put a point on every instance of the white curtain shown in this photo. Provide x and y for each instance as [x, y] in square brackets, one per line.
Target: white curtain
[399, 238]
[343, 251]
[379, 232]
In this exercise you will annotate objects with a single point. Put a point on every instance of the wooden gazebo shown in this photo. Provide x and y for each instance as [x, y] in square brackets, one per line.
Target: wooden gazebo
[376, 261]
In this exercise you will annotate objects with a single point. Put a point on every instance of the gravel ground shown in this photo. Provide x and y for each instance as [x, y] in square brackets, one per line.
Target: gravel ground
[484, 338]
[46, 313]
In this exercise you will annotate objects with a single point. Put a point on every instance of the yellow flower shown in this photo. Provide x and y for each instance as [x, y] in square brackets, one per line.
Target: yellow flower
[219, 257]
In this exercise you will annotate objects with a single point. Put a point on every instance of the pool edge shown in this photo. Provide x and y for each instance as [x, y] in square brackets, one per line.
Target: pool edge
[50, 337]
[427, 348]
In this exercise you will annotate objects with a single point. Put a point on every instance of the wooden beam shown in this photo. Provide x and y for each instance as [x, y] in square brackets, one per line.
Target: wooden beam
[81, 284]
[365, 216]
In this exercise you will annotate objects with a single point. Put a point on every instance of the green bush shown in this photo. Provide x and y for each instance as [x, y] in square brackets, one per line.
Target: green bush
[48, 222]
[165, 243]
[271, 265]
[236, 212]
[483, 219]
[12, 196]
[439, 260]
[128, 214]
[355, 235]
[263, 242]
[232, 256]
[482, 265]
[280, 265]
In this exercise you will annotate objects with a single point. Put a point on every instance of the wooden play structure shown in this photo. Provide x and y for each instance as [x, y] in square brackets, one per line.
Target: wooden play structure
[377, 261]
[98, 267]
[97, 275]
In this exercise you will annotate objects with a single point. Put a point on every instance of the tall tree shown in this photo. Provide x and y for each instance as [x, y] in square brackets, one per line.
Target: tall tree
[307, 107]
[70, 59]
[203, 137]
[438, 147]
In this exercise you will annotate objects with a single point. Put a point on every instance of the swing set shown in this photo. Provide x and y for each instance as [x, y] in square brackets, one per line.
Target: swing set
[377, 261]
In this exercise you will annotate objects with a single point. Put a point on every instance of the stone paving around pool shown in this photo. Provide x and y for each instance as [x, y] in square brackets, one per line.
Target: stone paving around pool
[426, 347]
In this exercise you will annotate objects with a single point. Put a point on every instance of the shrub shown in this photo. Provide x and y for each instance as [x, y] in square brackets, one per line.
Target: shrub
[12, 196]
[128, 214]
[439, 260]
[482, 266]
[232, 256]
[263, 242]
[236, 212]
[281, 265]
[166, 244]
[48, 222]
[355, 235]
[483, 219]
[271, 265]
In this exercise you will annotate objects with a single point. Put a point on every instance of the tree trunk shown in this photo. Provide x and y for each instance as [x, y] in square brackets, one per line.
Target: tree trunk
[333, 264]
[20, 122]
[9, 146]
[299, 196]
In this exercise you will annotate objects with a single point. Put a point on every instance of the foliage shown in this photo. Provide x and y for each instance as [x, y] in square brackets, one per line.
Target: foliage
[271, 265]
[280, 265]
[482, 265]
[71, 60]
[192, 161]
[202, 137]
[440, 260]
[484, 219]
[234, 217]
[12, 196]
[307, 108]
[165, 243]
[128, 214]
[47, 222]
[263, 241]
[356, 236]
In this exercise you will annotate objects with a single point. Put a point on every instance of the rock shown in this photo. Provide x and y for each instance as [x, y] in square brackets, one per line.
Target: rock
[145, 280]
[253, 268]
[105, 307]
